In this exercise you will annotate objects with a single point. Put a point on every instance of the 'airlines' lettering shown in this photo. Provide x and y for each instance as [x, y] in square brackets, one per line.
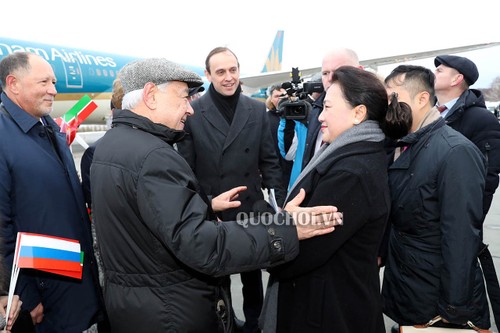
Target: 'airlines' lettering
[65, 56]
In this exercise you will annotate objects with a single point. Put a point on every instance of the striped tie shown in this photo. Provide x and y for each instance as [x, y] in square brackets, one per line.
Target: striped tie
[441, 108]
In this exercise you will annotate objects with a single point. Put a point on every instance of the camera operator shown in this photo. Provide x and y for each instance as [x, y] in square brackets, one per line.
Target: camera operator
[276, 94]
[308, 136]
[294, 111]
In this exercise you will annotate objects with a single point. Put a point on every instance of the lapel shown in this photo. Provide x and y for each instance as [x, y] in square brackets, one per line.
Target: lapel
[213, 116]
[240, 119]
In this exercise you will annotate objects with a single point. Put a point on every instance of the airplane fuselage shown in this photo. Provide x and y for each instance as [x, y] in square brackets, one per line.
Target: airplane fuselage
[78, 72]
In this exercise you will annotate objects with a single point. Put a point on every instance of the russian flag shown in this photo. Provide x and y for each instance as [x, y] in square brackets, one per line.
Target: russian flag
[51, 254]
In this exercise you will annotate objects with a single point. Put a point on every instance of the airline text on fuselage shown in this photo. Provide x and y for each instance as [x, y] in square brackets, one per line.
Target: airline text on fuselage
[54, 53]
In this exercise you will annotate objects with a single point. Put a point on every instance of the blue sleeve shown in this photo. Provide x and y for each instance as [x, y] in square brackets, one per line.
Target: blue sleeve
[301, 131]
[281, 137]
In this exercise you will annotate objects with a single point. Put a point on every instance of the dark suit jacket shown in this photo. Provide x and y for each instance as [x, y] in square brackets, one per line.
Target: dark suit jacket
[224, 156]
[41, 193]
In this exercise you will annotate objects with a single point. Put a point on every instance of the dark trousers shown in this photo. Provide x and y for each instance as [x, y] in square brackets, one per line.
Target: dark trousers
[253, 298]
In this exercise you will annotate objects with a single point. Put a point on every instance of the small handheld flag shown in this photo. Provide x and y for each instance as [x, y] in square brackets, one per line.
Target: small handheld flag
[51, 254]
[70, 121]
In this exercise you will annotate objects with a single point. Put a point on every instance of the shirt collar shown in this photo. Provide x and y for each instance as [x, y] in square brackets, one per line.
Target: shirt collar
[449, 105]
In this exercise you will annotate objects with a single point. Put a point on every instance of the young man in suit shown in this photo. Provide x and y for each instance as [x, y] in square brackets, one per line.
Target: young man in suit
[229, 144]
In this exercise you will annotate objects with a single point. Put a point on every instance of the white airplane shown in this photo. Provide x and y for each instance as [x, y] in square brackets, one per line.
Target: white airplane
[254, 82]
[83, 73]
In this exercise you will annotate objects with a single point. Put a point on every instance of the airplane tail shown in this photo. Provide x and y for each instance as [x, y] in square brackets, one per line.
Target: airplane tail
[275, 57]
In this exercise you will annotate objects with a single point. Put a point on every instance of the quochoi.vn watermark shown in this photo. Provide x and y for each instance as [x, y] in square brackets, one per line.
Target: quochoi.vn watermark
[302, 218]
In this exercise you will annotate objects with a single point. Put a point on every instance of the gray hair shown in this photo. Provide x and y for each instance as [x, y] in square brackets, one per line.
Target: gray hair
[133, 98]
[12, 63]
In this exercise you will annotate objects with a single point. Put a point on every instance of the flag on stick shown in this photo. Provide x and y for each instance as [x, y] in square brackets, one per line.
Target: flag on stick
[70, 121]
[51, 254]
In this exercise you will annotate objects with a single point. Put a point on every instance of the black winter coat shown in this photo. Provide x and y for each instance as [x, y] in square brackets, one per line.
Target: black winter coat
[333, 285]
[225, 155]
[470, 117]
[432, 267]
[161, 254]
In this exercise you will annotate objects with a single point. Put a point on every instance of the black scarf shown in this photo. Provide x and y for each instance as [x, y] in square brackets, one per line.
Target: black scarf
[225, 104]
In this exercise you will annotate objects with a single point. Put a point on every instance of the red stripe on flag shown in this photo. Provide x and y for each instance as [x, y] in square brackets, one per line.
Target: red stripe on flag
[82, 115]
[76, 275]
[53, 264]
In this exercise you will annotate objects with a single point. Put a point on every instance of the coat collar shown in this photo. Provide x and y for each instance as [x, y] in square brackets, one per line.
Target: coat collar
[212, 115]
[469, 98]
[23, 119]
[356, 148]
[416, 141]
[129, 118]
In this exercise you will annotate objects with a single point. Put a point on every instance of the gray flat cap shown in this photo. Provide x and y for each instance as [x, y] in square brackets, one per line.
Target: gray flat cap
[136, 74]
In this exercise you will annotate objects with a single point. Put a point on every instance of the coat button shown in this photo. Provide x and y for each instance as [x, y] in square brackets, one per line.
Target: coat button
[271, 231]
[247, 150]
[277, 245]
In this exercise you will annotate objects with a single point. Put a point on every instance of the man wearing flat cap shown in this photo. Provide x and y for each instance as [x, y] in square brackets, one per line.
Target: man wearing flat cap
[164, 255]
[464, 109]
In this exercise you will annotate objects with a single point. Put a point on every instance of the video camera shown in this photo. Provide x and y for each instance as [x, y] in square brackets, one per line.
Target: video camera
[296, 105]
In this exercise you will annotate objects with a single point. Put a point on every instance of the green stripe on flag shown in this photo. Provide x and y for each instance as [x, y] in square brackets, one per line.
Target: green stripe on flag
[73, 112]
[82, 115]
[81, 258]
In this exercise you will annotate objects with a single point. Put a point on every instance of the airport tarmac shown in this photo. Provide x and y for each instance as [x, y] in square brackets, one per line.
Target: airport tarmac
[491, 237]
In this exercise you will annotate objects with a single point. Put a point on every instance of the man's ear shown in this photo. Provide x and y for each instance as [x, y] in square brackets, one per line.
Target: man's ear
[207, 75]
[149, 95]
[423, 98]
[12, 84]
[457, 80]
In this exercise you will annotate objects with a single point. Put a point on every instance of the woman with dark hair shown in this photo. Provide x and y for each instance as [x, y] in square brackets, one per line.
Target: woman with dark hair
[333, 285]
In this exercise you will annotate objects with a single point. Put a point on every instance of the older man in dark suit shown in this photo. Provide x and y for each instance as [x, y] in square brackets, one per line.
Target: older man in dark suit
[230, 144]
[40, 192]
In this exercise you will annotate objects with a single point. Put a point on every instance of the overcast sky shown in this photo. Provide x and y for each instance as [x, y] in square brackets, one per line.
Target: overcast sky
[185, 31]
